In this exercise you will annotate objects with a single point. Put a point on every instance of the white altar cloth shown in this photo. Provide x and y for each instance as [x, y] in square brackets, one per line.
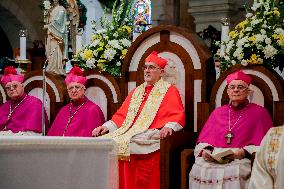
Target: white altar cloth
[57, 163]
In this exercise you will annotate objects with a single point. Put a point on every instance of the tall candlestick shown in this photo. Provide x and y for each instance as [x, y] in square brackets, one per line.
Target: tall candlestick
[224, 33]
[79, 39]
[23, 44]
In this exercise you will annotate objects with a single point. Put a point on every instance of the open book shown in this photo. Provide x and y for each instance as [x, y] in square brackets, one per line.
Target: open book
[222, 157]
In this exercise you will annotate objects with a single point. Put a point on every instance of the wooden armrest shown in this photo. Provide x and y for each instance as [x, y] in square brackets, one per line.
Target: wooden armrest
[187, 160]
[171, 148]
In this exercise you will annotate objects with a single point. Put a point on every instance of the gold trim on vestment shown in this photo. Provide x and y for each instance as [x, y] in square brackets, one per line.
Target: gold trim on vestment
[273, 149]
[123, 135]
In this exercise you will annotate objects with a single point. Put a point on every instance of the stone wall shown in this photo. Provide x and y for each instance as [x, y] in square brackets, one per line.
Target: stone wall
[21, 14]
[210, 12]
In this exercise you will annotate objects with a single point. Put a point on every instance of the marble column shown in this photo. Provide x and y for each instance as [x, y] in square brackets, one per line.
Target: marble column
[210, 12]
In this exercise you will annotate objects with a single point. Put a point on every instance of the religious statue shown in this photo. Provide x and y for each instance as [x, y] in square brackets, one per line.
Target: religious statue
[57, 39]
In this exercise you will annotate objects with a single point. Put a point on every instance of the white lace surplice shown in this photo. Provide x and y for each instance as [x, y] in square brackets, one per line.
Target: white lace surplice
[210, 175]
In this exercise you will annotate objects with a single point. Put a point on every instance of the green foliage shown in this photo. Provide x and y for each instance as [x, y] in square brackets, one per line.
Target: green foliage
[109, 45]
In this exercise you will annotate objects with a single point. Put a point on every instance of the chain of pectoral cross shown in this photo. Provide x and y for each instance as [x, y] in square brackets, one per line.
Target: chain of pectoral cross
[230, 135]
[71, 116]
[11, 111]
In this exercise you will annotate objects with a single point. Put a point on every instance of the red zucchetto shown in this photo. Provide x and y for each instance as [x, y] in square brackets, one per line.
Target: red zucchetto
[10, 74]
[75, 76]
[153, 57]
[239, 75]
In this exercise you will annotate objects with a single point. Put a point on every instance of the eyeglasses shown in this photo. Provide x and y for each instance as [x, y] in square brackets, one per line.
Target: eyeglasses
[239, 87]
[11, 87]
[149, 67]
[75, 87]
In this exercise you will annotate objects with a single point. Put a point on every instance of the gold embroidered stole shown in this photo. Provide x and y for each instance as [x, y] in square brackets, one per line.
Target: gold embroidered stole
[123, 135]
[273, 149]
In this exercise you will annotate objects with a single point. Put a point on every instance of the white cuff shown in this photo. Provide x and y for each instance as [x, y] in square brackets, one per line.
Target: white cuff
[6, 133]
[251, 148]
[174, 126]
[110, 125]
[27, 133]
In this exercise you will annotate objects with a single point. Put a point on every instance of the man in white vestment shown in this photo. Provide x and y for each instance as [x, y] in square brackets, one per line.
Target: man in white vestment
[268, 167]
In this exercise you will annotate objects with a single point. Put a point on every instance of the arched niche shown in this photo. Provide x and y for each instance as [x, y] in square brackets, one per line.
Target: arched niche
[56, 94]
[103, 89]
[188, 55]
[267, 86]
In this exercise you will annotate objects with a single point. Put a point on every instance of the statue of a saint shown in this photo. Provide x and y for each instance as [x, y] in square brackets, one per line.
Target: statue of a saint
[57, 39]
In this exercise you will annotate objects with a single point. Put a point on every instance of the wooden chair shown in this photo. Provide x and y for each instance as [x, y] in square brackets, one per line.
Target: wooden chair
[189, 57]
[266, 84]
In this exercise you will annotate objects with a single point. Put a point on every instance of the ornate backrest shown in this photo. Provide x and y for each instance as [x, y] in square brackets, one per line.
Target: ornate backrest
[103, 89]
[267, 87]
[2, 95]
[55, 90]
[187, 56]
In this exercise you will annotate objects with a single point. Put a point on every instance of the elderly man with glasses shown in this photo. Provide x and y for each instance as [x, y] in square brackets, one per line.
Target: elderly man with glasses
[21, 113]
[80, 116]
[150, 112]
[236, 128]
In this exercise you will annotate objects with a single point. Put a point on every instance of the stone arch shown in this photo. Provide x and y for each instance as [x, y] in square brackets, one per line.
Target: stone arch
[19, 15]
[103, 89]
[267, 84]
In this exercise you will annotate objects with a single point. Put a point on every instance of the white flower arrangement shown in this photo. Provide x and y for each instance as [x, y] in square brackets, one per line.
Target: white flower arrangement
[108, 46]
[259, 39]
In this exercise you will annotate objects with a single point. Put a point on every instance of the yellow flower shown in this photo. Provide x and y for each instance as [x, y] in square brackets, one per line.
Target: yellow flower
[101, 61]
[88, 54]
[126, 28]
[252, 39]
[241, 25]
[254, 59]
[101, 44]
[281, 40]
[233, 34]
[276, 36]
[100, 49]
[100, 65]
[276, 12]
[96, 36]
[124, 51]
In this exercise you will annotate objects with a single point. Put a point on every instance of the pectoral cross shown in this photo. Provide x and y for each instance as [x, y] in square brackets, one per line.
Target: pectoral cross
[229, 137]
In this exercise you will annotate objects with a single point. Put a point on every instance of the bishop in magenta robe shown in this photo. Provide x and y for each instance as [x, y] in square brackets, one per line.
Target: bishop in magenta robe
[80, 116]
[21, 114]
[239, 126]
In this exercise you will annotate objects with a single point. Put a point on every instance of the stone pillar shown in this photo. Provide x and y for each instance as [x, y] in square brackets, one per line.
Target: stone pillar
[158, 13]
[210, 12]
[186, 19]
[173, 12]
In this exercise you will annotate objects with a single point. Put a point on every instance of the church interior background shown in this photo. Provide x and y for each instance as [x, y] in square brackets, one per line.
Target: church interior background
[182, 31]
[191, 14]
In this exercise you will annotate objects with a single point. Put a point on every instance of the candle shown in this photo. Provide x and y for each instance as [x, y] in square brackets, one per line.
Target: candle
[79, 39]
[224, 33]
[23, 42]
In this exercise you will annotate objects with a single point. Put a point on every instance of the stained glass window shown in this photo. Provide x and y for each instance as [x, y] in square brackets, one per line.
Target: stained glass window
[142, 15]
